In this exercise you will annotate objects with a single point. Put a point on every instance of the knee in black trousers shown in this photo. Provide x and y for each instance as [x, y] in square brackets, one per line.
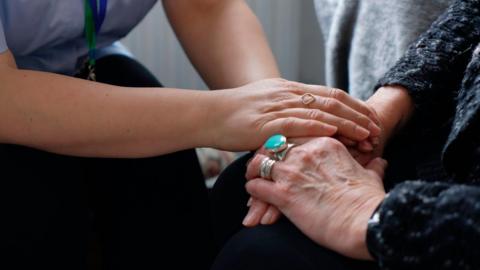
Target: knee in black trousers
[279, 246]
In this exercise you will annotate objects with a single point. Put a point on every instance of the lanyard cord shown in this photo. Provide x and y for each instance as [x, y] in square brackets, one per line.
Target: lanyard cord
[95, 12]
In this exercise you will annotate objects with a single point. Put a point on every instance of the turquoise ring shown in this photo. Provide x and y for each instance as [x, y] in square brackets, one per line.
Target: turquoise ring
[277, 146]
[276, 143]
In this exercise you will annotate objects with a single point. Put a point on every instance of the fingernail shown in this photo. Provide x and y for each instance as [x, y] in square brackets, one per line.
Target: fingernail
[385, 162]
[249, 203]
[374, 129]
[362, 132]
[366, 146]
[266, 218]
[331, 129]
[247, 221]
[349, 142]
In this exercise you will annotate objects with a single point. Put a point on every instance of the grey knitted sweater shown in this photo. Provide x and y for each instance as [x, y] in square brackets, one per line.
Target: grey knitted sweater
[364, 38]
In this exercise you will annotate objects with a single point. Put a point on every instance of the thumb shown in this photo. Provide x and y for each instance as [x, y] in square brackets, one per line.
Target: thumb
[378, 166]
[266, 191]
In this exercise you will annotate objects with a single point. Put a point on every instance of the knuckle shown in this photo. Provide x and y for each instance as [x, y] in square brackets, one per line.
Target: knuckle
[282, 84]
[285, 193]
[288, 124]
[307, 158]
[293, 175]
[315, 114]
[302, 155]
[331, 104]
[363, 119]
[350, 126]
[289, 85]
[335, 93]
[287, 185]
[355, 129]
[262, 123]
[346, 123]
[295, 87]
[331, 144]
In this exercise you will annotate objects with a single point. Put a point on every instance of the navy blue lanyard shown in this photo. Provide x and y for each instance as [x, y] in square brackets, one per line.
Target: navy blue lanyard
[99, 8]
[95, 12]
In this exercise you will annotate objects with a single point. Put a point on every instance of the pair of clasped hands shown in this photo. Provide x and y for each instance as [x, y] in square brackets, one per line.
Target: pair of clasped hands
[329, 186]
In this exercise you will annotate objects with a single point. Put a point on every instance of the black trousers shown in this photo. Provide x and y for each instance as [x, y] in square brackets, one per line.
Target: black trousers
[61, 212]
[282, 246]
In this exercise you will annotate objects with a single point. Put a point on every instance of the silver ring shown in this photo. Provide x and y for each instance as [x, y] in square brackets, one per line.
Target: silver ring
[280, 156]
[266, 168]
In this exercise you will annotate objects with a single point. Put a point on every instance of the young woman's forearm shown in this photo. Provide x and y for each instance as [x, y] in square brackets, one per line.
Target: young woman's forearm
[224, 40]
[76, 117]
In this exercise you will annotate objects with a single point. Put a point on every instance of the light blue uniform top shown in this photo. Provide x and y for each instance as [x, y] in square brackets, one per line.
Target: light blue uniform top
[48, 35]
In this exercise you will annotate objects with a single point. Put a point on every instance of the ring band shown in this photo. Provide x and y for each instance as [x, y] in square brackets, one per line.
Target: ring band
[280, 156]
[266, 168]
[308, 99]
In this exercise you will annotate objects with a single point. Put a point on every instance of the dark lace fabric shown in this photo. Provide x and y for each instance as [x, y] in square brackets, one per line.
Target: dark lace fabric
[436, 225]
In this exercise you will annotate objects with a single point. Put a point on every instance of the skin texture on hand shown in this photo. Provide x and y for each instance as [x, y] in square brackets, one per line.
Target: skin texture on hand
[392, 109]
[243, 118]
[325, 193]
[263, 213]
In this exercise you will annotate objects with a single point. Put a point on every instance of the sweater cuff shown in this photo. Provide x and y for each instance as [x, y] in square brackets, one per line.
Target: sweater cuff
[372, 231]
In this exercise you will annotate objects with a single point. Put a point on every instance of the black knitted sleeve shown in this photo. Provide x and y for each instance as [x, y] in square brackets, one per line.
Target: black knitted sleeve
[427, 226]
[432, 68]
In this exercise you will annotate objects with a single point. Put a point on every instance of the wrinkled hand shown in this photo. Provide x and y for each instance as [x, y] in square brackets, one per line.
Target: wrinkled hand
[263, 213]
[326, 193]
[391, 107]
[243, 118]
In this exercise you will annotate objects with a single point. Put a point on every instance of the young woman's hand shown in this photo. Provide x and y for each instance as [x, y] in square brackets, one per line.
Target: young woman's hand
[243, 118]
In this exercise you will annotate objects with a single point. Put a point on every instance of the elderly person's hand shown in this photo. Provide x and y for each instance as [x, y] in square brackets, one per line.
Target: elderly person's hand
[325, 192]
[391, 105]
